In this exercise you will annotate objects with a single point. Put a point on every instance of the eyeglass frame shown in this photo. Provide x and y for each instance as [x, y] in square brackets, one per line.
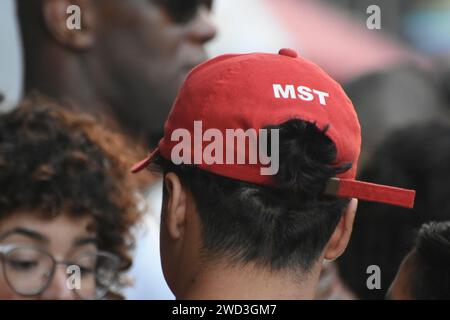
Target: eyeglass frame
[5, 249]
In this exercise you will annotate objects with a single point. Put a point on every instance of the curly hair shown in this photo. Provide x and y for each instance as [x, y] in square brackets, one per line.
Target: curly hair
[54, 162]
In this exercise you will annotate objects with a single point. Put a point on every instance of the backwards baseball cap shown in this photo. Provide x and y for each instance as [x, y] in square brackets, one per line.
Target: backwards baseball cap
[257, 90]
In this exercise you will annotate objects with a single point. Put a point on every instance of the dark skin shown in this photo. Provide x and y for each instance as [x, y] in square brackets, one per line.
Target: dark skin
[127, 62]
[400, 287]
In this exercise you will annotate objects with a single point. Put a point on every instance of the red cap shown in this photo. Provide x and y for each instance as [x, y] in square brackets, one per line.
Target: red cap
[253, 91]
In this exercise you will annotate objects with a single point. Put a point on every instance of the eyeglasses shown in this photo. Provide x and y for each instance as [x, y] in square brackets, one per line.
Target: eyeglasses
[182, 11]
[29, 271]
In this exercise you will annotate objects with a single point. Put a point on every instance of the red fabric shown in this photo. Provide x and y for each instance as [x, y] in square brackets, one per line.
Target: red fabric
[236, 91]
[141, 165]
[376, 193]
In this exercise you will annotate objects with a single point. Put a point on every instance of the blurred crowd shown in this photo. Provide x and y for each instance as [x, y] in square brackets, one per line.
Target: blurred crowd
[79, 107]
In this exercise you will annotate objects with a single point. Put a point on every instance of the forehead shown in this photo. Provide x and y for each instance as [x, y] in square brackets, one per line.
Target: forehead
[61, 228]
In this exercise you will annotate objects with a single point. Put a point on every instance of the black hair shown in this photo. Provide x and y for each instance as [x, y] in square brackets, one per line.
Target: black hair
[283, 227]
[431, 263]
[382, 106]
[416, 157]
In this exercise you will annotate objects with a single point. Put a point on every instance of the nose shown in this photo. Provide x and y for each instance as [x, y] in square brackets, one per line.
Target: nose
[201, 29]
[59, 288]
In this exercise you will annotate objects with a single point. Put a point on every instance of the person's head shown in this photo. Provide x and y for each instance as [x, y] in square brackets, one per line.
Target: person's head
[130, 55]
[418, 157]
[383, 107]
[209, 220]
[66, 208]
[259, 158]
[425, 272]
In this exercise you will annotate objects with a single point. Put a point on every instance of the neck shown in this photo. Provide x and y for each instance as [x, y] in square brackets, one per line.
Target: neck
[64, 76]
[72, 79]
[75, 81]
[222, 282]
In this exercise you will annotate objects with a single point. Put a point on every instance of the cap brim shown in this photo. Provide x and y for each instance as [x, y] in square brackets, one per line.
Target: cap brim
[141, 165]
[347, 188]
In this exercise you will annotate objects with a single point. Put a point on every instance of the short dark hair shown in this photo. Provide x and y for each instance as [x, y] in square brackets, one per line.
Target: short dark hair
[431, 263]
[283, 227]
[56, 162]
[415, 157]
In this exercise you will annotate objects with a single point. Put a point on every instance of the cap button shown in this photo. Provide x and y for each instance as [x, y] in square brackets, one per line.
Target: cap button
[288, 52]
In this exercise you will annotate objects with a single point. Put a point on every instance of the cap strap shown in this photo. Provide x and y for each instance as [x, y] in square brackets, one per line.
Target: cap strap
[347, 188]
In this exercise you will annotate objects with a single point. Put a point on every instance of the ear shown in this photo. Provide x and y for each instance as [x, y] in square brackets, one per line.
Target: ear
[70, 22]
[176, 208]
[341, 235]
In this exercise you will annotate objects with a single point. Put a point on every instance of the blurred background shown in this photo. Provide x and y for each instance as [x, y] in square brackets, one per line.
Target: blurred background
[10, 57]
[397, 75]
[410, 51]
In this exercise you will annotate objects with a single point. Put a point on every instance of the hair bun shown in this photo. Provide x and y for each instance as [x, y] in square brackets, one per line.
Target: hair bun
[306, 157]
